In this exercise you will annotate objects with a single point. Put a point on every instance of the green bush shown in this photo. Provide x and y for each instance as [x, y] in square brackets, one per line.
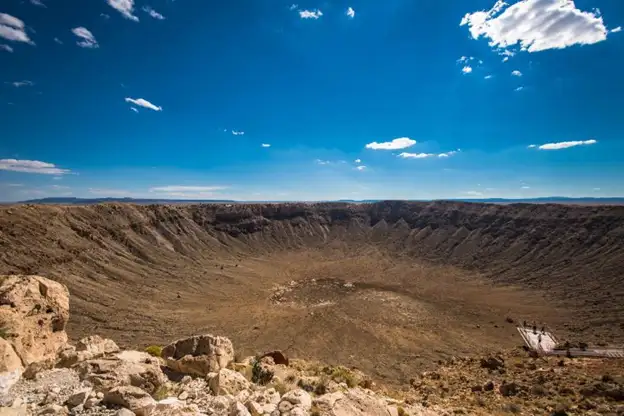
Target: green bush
[154, 350]
[260, 375]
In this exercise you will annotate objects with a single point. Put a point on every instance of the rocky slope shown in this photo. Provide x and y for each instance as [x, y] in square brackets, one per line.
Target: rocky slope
[396, 285]
[42, 374]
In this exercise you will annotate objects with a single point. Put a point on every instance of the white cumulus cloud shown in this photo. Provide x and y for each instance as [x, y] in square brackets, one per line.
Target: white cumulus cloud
[310, 14]
[358, 160]
[350, 12]
[125, 7]
[153, 13]
[467, 69]
[266, 145]
[399, 143]
[143, 103]
[87, 40]
[31, 166]
[13, 29]
[565, 145]
[516, 73]
[536, 25]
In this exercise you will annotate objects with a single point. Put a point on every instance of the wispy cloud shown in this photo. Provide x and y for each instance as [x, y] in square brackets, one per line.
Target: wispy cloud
[360, 168]
[406, 155]
[616, 29]
[516, 73]
[525, 187]
[536, 25]
[350, 12]
[134, 109]
[31, 166]
[487, 77]
[310, 14]
[266, 145]
[57, 40]
[358, 160]
[6, 48]
[238, 133]
[473, 193]
[87, 40]
[399, 143]
[38, 3]
[531, 146]
[181, 191]
[293, 6]
[104, 16]
[25, 83]
[143, 103]
[13, 29]
[565, 145]
[520, 88]
[153, 13]
[322, 162]
[125, 7]
[467, 69]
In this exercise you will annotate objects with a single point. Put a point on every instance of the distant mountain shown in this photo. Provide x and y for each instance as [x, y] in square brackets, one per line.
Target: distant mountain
[542, 200]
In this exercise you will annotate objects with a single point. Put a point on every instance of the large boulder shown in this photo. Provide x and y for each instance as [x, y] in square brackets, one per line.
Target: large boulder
[87, 348]
[10, 367]
[33, 314]
[227, 381]
[130, 397]
[128, 368]
[199, 355]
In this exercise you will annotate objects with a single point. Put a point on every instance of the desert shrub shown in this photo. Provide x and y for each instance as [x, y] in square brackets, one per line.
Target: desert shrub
[343, 375]
[401, 411]
[280, 387]
[321, 387]
[315, 411]
[367, 383]
[259, 374]
[161, 393]
[4, 333]
[305, 386]
[154, 350]
[290, 378]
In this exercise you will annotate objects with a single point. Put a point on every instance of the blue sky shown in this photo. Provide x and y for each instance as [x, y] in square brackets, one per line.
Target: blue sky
[266, 99]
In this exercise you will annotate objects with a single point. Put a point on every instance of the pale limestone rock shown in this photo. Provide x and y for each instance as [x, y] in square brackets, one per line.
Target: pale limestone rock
[199, 355]
[237, 409]
[78, 398]
[327, 401]
[227, 381]
[133, 398]
[87, 348]
[254, 408]
[299, 397]
[107, 373]
[34, 311]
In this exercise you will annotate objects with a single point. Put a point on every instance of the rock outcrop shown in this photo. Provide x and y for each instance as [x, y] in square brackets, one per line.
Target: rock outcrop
[199, 355]
[33, 314]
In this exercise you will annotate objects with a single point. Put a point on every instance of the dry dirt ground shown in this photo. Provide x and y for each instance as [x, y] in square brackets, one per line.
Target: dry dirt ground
[388, 288]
